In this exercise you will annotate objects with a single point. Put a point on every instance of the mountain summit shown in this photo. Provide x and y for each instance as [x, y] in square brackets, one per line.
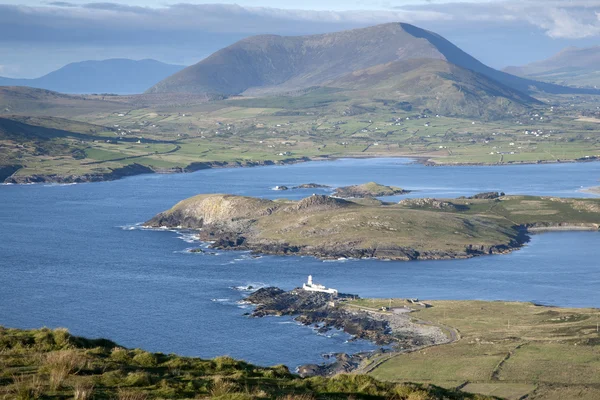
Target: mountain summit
[275, 64]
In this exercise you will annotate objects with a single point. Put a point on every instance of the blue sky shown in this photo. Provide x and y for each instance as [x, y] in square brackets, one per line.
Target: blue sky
[37, 37]
[336, 5]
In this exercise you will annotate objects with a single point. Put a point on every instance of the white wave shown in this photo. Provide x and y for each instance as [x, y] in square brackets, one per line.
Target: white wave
[132, 227]
[59, 184]
[250, 287]
[220, 300]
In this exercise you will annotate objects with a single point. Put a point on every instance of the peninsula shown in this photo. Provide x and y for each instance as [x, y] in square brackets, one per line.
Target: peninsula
[414, 229]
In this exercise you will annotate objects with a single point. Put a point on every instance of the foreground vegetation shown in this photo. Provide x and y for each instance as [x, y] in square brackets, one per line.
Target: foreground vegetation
[52, 364]
[50, 134]
[510, 350]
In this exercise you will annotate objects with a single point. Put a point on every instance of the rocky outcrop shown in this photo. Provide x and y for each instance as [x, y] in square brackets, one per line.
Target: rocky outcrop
[319, 310]
[370, 189]
[311, 186]
[224, 214]
[428, 203]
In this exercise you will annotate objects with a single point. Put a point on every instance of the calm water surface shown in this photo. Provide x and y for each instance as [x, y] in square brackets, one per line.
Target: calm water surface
[72, 256]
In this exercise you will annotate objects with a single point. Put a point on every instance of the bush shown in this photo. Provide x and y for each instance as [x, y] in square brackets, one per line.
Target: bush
[26, 388]
[139, 379]
[60, 364]
[120, 355]
[61, 337]
[112, 378]
[83, 390]
[145, 359]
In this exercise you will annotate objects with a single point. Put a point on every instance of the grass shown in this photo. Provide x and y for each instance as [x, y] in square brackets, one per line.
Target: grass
[413, 230]
[319, 122]
[507, 349]
[113, 372]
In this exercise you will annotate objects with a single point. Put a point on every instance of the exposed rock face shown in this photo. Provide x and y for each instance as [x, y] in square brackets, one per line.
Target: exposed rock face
[225, 212]
[370, 189]
[428, 203]
[319, 309]
[320, 202]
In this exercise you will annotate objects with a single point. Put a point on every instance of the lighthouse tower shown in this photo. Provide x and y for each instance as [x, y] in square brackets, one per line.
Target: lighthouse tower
[310, 282]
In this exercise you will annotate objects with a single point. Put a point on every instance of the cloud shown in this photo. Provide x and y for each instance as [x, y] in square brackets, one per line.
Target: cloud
[557, 18]
[574, 19]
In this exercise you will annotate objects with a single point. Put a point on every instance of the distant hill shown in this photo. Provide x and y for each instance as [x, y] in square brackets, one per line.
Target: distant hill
[572, 66]
[272, 64]
[436, 85]
[119, 76]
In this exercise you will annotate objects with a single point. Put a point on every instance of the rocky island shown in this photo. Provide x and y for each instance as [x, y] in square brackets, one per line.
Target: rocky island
[415, 229]
[371, 189]
[327, 311]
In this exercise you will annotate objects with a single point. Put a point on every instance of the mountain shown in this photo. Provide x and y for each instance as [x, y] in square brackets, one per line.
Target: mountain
[271, 64]
[437, 85]
[572, 66]
[120, 76]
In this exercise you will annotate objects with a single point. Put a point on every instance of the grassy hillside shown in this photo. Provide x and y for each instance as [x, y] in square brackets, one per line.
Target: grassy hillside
[185, 132]
[573, 66]
[436, 85]
[510, 350]
[52, 364]
[275, 64]
[413, 229]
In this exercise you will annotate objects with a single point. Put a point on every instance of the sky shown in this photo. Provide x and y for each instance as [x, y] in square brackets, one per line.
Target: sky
[37, 37]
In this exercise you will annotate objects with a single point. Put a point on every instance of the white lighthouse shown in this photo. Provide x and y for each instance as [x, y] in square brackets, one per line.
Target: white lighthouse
[310, 286]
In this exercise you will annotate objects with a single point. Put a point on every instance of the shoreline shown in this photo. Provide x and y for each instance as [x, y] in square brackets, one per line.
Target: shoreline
[138, 169]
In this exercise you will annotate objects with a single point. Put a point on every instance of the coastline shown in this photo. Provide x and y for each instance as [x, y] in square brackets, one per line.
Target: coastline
[138, 169]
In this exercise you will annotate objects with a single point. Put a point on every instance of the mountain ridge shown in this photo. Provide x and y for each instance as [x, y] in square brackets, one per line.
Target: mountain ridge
[116, 75]
[274, 64]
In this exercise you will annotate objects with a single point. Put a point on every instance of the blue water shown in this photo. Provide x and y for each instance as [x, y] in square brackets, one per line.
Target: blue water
[72, 256]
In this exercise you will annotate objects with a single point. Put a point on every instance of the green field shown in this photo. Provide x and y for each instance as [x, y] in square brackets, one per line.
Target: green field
[510, 350]
[318, 123]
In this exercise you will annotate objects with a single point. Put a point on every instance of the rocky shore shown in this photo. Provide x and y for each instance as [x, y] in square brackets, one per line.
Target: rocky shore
[413, 229]
[325, 312]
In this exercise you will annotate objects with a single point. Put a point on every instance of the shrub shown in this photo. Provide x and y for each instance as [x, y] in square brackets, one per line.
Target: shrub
[26, 388]
[61, 337]
[112, 378]
[131, 395]
[83, 390]
[145, 359]
[225, 363]
[60, 364]
[120, 355]
[221, 387]
[138, 379]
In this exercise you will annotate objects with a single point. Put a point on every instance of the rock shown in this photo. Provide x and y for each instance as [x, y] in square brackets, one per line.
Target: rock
[370, 189]
[281, 188]
[311, 186]
[428, 203]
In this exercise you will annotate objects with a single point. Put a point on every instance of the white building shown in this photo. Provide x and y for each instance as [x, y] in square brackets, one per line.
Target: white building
[315, 287]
